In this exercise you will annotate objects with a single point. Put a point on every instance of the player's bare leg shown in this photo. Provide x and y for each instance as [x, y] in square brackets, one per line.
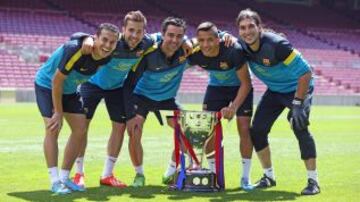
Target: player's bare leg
[113, 149]
[79, 177]
[51, 151]
[51, 148]
[77, 123]
[310, 164]
[114, 144]
[136, 151]
[246, 149]
[169, 175]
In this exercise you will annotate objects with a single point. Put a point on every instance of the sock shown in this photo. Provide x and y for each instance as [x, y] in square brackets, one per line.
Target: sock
[212, 166]
[269, 172]
[171, 169]
[54, 175]
[64, 175]
[79, 165]
[312, 174]
[246, 165]
[139, 170]
[109, 166]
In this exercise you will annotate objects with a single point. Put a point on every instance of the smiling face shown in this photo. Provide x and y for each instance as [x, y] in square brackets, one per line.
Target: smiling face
[173, 38]
[133, 32]
[249, 31]
[208, 42]
[105, 42]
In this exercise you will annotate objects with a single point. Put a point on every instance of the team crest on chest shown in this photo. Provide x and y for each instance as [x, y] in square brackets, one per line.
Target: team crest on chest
[224, 65]
[266, 61]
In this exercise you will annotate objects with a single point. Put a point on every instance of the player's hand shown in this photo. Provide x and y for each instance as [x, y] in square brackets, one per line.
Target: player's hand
[229, 40]
[55, 122]
[187, 47]
[228, 112]
[299, 119]
[135, 124]
[87, 46]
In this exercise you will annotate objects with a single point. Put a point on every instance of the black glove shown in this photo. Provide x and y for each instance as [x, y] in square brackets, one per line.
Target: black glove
[299, 117]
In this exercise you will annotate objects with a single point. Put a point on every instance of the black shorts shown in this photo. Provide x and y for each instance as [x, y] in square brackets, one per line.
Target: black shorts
[142, 105]
[114, 101]
[272, 104]
[71, 103]
[217, 97]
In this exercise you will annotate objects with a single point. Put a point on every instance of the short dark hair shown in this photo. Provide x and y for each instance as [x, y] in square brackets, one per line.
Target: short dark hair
[173, 21]
[107, 26]
[208, 26]
[136, 16]
[248, 13]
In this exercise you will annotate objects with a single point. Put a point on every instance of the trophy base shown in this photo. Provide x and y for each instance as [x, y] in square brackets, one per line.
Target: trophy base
[199, 180]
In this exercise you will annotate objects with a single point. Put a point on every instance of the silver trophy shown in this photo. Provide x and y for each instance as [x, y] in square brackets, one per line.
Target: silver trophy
[198, 127]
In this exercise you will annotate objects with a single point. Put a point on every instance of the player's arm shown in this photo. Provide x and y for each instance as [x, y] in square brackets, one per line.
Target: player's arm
[134, 75]
[79, 36]
[228, 38]
[55, 122]
[134, 121]
[187, 45]
[292, 58]
[156, 37]
[299, 67]
[299, 118]
[130, 83]
[238, 61]
[303, 85]
[245, 87]
[68, 59]
[191, 60]
[87, 42]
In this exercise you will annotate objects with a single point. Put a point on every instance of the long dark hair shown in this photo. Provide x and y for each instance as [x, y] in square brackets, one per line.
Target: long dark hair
[250, 14]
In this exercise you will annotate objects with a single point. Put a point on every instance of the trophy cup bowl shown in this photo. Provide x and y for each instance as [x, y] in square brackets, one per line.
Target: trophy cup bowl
[198, 127]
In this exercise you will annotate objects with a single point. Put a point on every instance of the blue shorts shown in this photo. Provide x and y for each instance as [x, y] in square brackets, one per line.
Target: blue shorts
[71, 102]
[217, 97]
[114, 101]
[142, 105]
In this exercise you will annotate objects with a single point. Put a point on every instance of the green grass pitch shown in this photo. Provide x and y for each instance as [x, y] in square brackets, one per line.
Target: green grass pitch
[23, 173]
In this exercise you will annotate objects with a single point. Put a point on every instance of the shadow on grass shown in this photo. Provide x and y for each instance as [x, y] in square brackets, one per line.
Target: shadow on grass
[236, 195]
[149, 193]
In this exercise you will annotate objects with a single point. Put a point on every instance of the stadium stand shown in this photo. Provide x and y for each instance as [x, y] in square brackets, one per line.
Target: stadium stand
[329, 42]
